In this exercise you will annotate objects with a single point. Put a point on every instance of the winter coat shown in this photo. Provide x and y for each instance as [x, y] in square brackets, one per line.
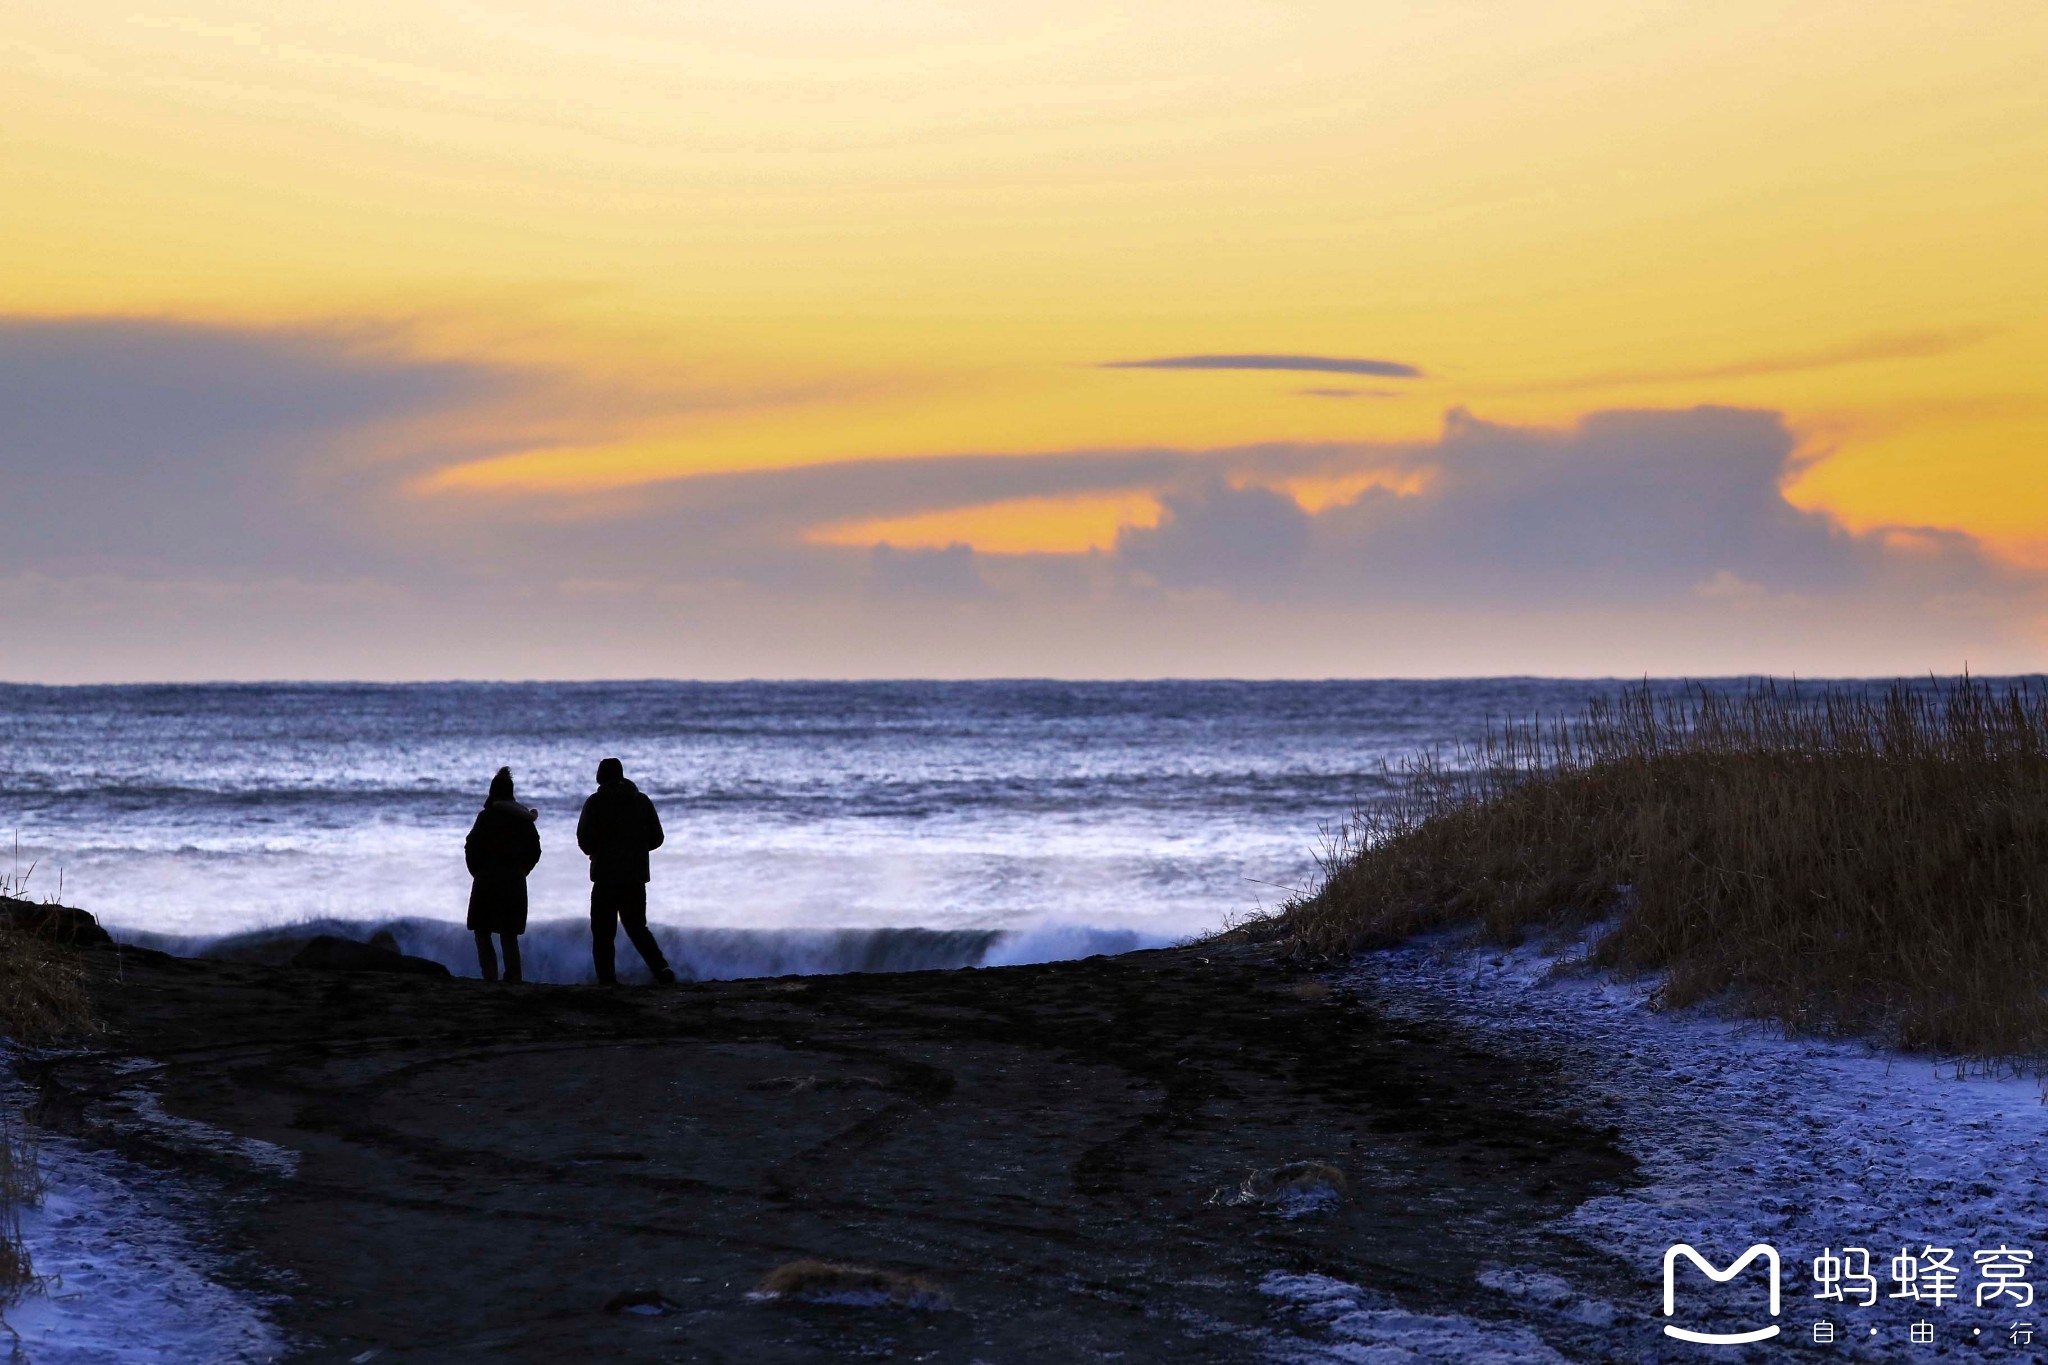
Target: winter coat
[618, 829]
[503, 846]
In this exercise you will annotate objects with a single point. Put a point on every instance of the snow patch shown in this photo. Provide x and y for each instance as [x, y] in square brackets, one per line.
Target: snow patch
[147, 1112]
[1745, 1136]
[1549, 1291]
[125, 1275]
[125, 1279]
[1361, 1328]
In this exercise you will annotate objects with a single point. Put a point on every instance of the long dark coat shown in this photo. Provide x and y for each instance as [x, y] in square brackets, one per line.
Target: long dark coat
[503, 846]
[618, 829]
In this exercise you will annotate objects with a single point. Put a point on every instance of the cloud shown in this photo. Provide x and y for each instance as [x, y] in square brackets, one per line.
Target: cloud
[1246, 540]
[750, 518]
[127, 445]
[1889, 346]
[133, 442]
[189, 500]
[1626, 507]
[1346, 393]
[1317, 364]
[949, 572]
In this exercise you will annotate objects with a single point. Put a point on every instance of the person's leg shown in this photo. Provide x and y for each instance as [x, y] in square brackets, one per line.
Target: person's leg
[485, 958]
[510, 942]
[633, 910]
[604, 924]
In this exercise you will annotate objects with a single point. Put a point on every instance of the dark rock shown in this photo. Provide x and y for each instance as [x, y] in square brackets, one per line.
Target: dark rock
[57, 923]
[649, 1303]
[260, 950]
[333, 954]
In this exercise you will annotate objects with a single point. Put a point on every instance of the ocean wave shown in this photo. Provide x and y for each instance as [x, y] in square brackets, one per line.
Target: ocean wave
[1165, 805]
[558, 950]
[793, 797]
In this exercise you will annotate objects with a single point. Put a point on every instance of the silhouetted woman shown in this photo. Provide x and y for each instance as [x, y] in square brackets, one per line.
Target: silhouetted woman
[503, 846]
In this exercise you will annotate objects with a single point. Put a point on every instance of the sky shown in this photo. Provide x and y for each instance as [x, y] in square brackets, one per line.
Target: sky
[824, 338]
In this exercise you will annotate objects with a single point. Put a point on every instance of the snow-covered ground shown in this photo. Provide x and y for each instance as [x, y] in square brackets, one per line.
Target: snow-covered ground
[128, 1279]
[1743, 1137]
[1352, 1324]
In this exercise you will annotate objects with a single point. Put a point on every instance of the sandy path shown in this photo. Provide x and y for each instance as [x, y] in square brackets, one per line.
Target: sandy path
[444, 1170]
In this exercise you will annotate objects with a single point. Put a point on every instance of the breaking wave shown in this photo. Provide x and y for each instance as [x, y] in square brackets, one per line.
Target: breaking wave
[558, 950]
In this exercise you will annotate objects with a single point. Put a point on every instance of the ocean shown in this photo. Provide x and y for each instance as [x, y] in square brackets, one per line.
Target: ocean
[811, 826]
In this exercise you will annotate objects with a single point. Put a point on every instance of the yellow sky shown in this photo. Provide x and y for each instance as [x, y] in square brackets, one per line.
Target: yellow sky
[797, 231]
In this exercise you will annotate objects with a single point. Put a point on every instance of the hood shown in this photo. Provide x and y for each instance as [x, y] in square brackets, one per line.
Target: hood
[528, 811]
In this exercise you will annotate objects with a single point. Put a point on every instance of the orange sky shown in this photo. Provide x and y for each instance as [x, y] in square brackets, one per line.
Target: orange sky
[798, 232]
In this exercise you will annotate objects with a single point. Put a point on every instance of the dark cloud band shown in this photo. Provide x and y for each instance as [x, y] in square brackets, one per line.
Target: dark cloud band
[1311, 364]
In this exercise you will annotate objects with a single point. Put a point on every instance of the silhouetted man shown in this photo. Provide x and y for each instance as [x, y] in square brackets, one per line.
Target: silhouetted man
[618, 829]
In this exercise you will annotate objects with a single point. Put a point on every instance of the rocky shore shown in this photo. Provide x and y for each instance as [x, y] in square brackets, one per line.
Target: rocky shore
[1074, 1161]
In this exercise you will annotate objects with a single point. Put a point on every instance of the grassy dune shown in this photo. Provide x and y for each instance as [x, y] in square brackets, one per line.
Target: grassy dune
[1871, 862]
[42, 998]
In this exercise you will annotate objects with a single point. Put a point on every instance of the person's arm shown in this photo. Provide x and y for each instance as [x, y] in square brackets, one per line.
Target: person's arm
[532, 841]
[583, 830]
[654, 834]
[470, 850]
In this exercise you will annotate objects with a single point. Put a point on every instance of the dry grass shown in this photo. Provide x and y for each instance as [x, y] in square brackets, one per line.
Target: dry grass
[1295, 1188]
[852, 1286]
[1871, 862]
[42, 990]
[42, 998]
[20, 1187]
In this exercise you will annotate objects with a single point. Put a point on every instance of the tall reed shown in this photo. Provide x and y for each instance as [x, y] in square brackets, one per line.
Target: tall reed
[42, 998]
[1871, 861]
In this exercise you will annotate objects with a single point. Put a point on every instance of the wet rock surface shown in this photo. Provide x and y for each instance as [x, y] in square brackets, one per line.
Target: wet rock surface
[482, 1171]
[329, 953]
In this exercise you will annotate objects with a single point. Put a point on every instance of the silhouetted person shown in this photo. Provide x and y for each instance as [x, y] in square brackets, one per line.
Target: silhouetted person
[503, 846]
[618, 829]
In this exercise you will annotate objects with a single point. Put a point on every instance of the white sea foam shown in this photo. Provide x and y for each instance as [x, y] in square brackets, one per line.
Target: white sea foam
[1161, 808]
[560, 950]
